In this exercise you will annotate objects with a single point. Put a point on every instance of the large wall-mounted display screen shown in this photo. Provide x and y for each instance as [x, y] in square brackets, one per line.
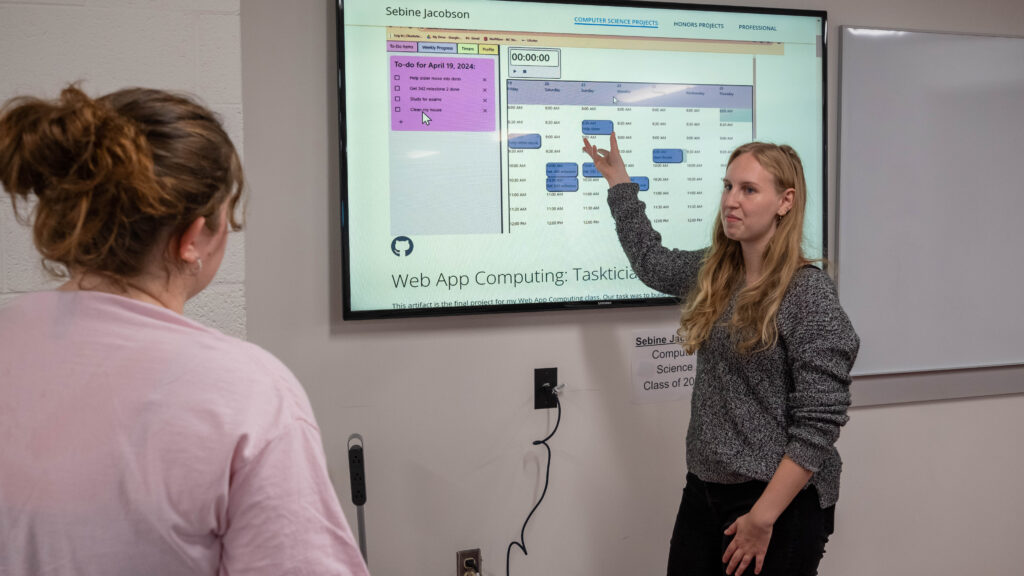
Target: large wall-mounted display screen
[464, 185]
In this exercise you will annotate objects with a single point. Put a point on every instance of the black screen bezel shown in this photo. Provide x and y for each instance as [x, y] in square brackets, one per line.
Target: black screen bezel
[349, 314]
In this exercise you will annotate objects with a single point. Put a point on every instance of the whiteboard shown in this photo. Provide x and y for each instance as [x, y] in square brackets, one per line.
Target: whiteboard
[930, 211]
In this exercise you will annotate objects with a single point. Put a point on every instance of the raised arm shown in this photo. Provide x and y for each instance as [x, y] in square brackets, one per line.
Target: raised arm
[671, 271]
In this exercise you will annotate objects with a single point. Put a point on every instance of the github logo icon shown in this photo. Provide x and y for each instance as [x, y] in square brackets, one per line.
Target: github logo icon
[401, 246]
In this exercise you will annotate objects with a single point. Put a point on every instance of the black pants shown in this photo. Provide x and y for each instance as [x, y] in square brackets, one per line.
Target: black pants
[698, 540]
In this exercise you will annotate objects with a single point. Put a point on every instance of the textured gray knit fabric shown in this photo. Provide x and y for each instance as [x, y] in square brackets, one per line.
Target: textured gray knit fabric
[748, 411]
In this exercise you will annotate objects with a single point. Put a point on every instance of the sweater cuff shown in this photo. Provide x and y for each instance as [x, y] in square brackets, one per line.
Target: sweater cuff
[808, 456]
[621, 193]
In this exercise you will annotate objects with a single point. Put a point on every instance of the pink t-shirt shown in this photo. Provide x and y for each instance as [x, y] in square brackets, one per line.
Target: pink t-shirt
[136, 441]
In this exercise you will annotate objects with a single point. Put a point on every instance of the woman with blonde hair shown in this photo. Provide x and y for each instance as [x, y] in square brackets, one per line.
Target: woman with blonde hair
[774, 352]
[134, 440]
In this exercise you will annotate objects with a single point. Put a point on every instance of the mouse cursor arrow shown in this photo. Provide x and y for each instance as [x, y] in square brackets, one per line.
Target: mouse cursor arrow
[425, 119]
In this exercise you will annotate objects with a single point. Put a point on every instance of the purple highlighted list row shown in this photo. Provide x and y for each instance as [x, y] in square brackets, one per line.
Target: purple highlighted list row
[439, 94]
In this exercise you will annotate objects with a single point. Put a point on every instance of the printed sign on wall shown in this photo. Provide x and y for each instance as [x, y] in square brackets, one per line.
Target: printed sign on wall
[662, 370]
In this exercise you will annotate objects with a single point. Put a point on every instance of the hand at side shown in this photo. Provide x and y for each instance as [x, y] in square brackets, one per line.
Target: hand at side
[752, 532]
[750, 537]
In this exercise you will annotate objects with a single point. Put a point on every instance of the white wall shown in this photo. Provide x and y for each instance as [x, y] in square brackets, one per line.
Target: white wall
[446, 408]
[182, 45]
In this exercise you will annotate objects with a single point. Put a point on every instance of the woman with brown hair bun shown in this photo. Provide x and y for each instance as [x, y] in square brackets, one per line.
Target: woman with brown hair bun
[774, 352]
[135, 440]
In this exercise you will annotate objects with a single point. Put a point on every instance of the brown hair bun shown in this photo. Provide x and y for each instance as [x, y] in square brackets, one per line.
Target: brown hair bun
[114, 174]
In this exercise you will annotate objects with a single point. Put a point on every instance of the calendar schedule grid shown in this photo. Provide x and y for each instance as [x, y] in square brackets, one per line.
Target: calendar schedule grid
[681, 195]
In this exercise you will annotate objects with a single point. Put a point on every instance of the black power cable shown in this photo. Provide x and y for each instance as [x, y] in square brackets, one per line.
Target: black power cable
[547, 476]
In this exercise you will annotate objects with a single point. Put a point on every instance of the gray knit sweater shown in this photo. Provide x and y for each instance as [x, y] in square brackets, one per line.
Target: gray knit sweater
[748, 411]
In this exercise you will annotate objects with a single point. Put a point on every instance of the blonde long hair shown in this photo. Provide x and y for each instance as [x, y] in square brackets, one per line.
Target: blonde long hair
[753, 323]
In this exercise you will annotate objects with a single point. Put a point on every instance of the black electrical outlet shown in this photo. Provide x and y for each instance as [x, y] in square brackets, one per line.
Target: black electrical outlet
[357, 475]
[544, 381]
[468, 562]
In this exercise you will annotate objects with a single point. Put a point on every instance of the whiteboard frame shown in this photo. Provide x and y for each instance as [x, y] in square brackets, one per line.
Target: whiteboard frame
[915, 383]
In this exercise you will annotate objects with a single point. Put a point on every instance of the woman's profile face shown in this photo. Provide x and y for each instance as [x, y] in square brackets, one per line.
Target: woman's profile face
[751, 202]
